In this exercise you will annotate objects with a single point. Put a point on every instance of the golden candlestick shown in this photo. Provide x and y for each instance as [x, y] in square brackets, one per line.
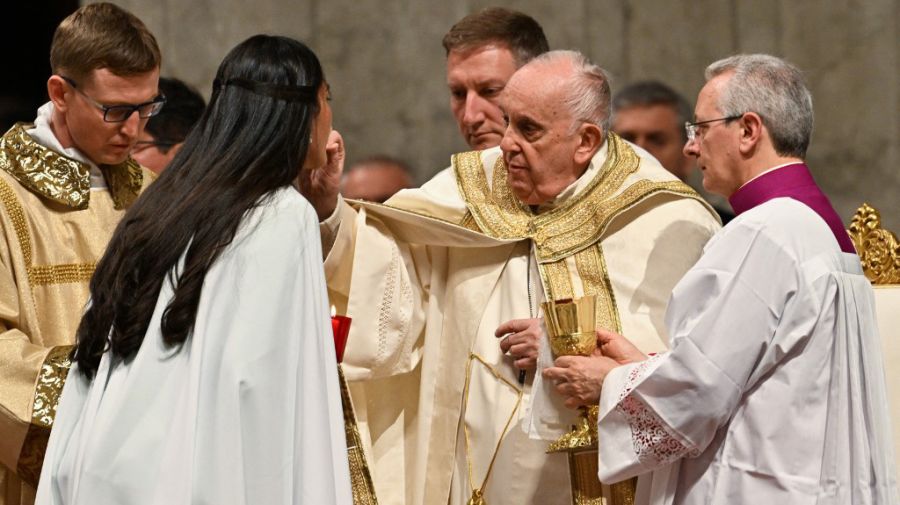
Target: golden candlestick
[571, 327]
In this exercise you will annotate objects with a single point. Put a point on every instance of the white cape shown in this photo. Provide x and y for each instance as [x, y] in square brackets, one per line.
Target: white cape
[247, 412]
[773, 391]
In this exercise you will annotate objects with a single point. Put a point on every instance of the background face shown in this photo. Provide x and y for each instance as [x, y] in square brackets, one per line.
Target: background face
[102, 142]
[151, 156]
[475, 80]
[656, 129]
[374, 181]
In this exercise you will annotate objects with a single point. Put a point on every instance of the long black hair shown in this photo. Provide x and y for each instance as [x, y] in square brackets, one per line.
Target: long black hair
[252, 139]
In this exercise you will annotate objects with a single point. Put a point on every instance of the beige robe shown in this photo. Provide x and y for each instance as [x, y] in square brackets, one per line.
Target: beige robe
[426, 293]
[54, 229]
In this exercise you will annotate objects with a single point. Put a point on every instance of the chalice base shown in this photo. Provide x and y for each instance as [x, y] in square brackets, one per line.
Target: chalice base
[583, 435]
[581, 446]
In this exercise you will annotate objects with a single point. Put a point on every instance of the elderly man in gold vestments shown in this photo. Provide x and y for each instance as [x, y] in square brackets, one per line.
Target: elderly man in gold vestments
[64, 183]
[561, 208]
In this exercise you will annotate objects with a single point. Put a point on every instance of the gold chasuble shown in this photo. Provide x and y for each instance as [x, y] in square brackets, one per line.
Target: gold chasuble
[55, 228]
[429, 276]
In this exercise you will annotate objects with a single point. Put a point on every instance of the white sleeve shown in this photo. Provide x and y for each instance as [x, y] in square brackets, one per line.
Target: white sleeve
[723, 317]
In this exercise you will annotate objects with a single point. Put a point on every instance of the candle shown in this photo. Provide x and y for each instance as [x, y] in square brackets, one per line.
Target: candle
[340, 326]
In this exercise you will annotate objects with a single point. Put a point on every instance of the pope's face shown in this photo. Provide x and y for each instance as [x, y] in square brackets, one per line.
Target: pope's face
[475, 79]
[103, 142]
[538, 144]
[716, 143]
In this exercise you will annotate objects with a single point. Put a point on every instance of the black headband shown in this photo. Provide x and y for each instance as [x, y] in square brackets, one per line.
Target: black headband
[276, 91]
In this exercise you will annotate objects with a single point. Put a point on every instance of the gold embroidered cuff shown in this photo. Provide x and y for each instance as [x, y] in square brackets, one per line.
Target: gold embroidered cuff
[46, 396]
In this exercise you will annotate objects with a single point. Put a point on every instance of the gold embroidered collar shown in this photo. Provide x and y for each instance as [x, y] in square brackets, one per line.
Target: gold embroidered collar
[572, 226]
[63, 179]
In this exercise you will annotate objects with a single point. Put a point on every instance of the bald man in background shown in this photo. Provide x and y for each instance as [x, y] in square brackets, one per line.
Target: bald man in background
[375, 179]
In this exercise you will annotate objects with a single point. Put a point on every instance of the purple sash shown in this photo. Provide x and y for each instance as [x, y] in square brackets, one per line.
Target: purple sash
[792, 181]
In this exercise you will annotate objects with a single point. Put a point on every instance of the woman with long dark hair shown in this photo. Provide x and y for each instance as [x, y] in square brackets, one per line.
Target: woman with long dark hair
[204, 370]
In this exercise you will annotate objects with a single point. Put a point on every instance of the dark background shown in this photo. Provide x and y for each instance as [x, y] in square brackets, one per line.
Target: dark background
[25, 34]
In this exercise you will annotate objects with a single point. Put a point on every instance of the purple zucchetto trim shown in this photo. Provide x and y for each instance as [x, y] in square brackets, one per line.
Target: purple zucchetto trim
[792, 181]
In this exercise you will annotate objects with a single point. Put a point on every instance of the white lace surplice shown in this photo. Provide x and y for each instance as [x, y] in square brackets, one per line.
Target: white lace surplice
[773, 391]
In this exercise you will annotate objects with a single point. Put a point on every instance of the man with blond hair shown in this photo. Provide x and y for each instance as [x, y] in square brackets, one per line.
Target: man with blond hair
[65, 181]
[432, 279]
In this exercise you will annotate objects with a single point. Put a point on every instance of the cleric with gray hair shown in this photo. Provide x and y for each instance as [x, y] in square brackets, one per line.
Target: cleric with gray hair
[774, 89]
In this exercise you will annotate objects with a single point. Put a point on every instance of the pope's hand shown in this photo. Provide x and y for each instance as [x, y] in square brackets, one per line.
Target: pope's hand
[521, 339]
[321, 185]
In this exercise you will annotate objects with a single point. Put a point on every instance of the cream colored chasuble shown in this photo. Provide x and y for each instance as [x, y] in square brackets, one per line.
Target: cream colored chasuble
[427, 291]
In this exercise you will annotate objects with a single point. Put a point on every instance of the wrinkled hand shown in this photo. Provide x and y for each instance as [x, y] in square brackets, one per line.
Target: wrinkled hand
[616, 347]
[522, 340]
[579, 379]
[321, 185]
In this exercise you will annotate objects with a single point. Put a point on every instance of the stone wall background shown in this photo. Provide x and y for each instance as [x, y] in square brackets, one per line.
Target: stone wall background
[385, 64]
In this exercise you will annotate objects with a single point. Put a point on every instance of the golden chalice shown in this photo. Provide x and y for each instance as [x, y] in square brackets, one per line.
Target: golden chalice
[571, 327]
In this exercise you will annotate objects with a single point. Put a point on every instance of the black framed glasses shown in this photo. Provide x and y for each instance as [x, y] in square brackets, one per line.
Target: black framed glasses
[119, 113]
[691, 128]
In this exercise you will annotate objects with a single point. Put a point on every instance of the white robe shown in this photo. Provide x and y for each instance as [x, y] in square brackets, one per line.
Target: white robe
[247, 412]
[773, 391]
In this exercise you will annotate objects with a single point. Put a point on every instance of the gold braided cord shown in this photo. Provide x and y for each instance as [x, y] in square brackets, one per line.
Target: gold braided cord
[478, 493]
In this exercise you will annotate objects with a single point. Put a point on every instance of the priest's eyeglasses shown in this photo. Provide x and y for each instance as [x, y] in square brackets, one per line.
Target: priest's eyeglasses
[691, 128]
[119, 113]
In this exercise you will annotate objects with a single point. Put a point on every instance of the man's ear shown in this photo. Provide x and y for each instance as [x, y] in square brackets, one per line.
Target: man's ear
[590, 138]
[60, 92]
[752, 131]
